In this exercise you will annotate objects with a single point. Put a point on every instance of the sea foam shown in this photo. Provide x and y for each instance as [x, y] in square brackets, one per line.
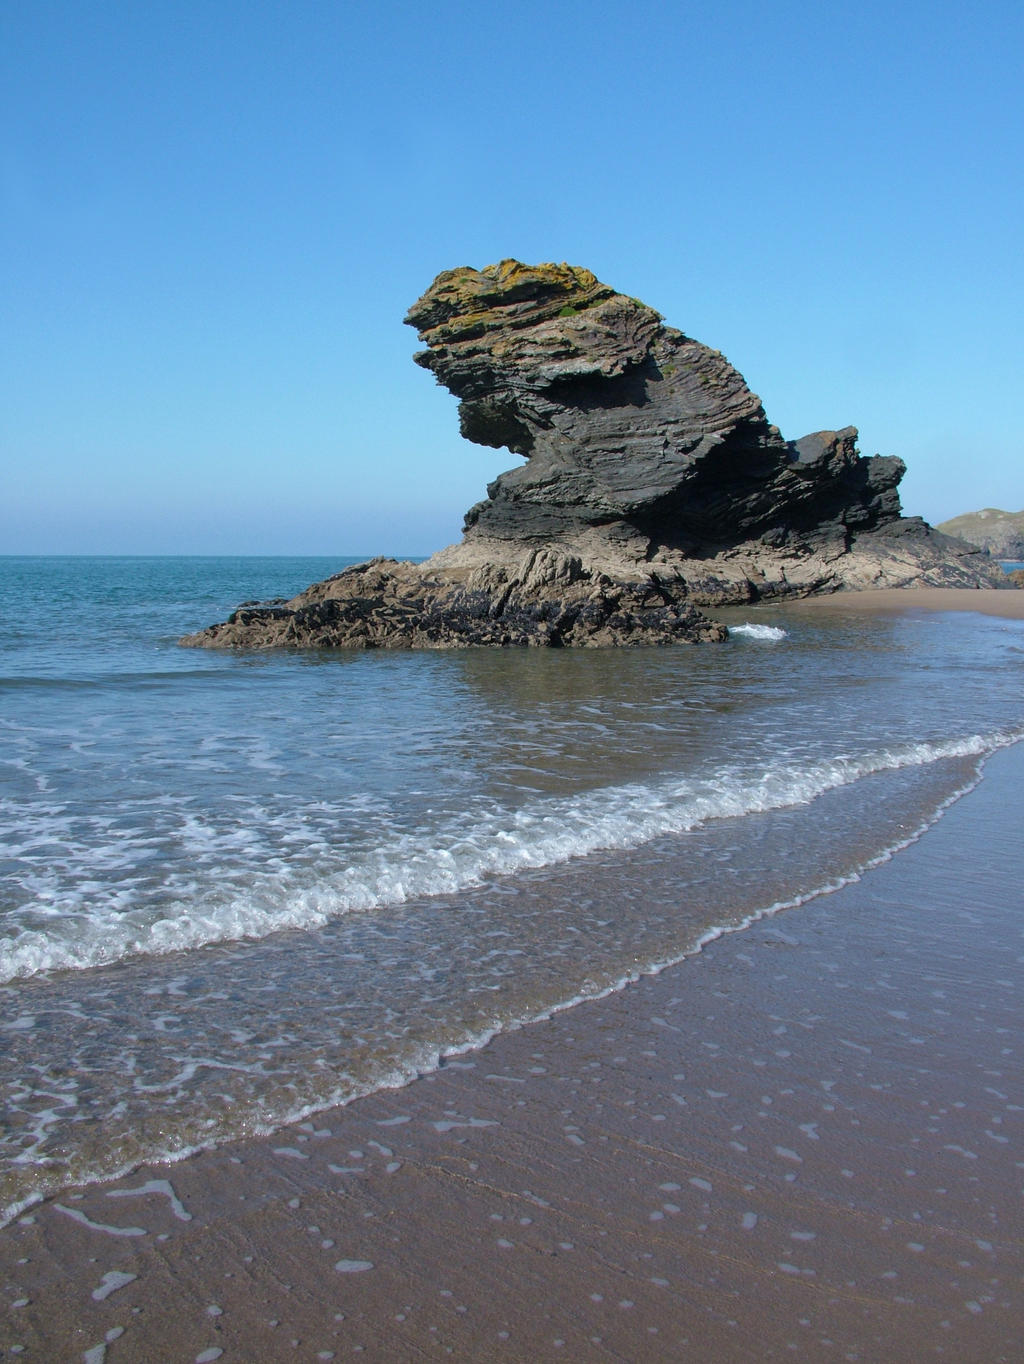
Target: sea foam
[448, 858]
[766, 632]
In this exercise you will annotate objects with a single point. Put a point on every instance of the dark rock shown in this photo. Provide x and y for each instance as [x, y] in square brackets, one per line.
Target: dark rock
[387, 604]
[624, 419]
[653, 484]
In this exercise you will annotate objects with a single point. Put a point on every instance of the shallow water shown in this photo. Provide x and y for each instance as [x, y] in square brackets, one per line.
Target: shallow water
[236, 888]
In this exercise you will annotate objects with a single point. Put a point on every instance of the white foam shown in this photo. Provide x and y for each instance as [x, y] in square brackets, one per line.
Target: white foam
[494, 841]
[110, 1283]
[157, 1186]
[429, 1058]
[765, 632]
[77, 1215]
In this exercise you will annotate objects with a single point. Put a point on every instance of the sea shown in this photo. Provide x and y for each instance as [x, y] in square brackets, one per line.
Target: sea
[238, 888]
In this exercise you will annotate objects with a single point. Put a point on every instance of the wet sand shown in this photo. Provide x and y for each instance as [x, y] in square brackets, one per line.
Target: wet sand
[806, 1142]
[990, 601]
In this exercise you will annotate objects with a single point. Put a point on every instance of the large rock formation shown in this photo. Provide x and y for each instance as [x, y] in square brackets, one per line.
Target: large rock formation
[1000, 532]
[548, 598]
[653, 484]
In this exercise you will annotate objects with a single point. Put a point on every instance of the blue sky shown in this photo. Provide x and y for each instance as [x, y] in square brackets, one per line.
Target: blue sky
[216, 214]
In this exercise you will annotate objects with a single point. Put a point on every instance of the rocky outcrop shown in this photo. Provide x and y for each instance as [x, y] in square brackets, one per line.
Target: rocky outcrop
[653, 485]
[1000, 532]
[628, 423]
[388, 604]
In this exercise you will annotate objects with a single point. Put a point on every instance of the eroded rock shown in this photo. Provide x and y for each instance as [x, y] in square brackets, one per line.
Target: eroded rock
[653, 485]
[552, 600]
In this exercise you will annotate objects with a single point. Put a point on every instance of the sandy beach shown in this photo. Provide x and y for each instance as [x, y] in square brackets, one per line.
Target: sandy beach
[805, 1142]
[508, 854]
[990, 601]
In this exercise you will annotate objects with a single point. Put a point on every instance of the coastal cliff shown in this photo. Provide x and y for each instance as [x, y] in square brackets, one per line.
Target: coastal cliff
[1000, 532]
[653, 486]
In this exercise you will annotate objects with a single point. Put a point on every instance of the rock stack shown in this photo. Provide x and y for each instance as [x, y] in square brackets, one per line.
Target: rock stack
[653, 485]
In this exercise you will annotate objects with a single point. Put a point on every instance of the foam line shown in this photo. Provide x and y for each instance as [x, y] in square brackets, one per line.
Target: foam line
[547, 832]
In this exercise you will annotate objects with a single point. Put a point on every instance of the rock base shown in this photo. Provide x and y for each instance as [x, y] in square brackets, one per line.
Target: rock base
[385, 604]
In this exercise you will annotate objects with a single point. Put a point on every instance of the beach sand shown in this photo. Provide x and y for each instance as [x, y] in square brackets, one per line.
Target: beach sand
[990, 601]
[806, 1142]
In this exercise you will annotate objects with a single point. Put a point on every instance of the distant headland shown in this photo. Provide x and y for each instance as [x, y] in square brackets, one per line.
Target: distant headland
[1000, 532]
[653, 486]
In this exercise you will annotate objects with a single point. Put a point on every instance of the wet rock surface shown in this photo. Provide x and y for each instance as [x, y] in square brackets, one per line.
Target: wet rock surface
[653, 485]
[389, 604]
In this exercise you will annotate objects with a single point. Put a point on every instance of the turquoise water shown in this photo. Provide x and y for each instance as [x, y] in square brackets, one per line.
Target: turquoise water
[235, 888]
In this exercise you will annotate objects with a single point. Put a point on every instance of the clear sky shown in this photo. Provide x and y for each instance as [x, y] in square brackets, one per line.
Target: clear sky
[215, 214]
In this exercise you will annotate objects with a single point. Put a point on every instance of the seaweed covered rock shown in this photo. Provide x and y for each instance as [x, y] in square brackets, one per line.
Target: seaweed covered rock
[385, 604]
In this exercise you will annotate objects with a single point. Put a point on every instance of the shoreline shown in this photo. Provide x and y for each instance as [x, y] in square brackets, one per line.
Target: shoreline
[1007, 602]
[800, 1141]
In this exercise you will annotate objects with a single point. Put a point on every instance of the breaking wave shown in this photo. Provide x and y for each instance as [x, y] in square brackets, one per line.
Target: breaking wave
[767, 632]
[260, 874]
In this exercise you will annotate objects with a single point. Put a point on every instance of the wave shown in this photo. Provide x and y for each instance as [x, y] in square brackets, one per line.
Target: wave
[765, 632]
[262, 1118]
[452, 858]
[131, 681]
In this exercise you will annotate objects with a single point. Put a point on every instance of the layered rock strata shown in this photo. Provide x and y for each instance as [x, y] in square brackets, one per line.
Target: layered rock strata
[389, 604]
[653, 484]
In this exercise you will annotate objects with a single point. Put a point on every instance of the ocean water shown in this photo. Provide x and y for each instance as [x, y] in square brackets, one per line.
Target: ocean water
[238, 888]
